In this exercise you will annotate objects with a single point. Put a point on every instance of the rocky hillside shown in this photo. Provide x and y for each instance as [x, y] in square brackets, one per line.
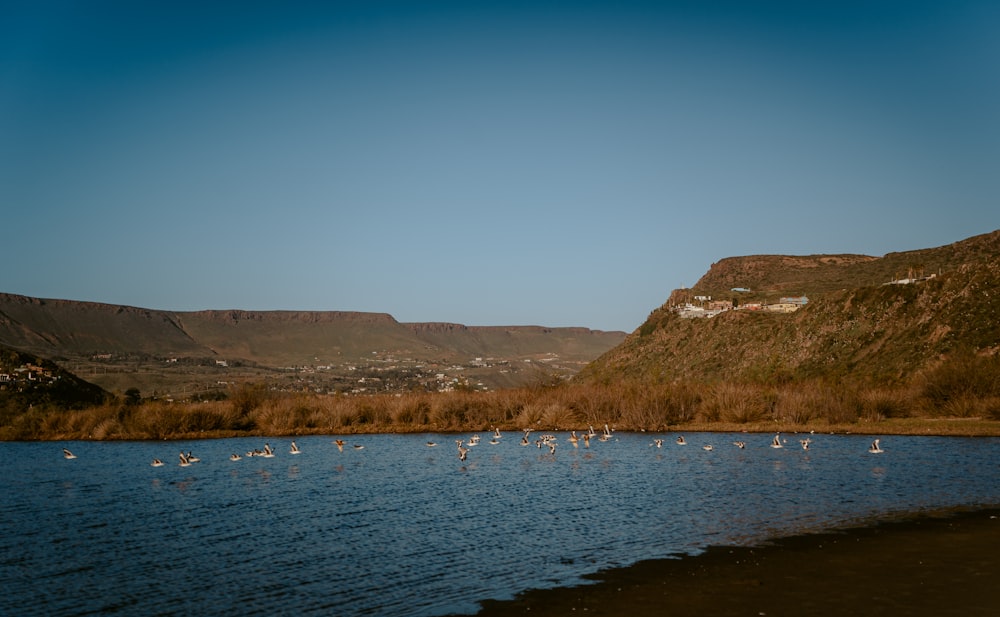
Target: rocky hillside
[854, 326]
[193, 353]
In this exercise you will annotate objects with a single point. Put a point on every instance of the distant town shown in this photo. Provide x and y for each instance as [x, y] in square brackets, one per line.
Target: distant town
[383, 372]
[25, 376]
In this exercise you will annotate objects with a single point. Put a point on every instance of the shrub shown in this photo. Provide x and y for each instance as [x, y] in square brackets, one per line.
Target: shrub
[953, 383]
[733, 402]
[412, 411]
[531, 416]
[450, 412]
[245, 398]
[803, 403]
[877, 404]
[556, 416]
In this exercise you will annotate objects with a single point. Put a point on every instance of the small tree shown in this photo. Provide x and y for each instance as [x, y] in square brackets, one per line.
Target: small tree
[133, 397]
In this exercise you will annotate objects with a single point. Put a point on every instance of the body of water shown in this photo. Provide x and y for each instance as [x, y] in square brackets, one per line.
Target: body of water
[397, 527]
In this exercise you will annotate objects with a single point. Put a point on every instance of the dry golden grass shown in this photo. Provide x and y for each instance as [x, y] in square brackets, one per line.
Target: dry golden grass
[626, 406]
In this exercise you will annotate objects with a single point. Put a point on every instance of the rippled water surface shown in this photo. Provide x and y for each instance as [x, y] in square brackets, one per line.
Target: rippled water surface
[400, 528]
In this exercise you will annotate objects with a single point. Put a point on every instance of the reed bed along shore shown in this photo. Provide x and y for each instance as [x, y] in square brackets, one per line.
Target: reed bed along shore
[253, 409]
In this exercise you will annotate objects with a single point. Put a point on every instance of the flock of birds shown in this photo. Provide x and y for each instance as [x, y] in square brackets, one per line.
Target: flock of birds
[547, 440]
[186, 459]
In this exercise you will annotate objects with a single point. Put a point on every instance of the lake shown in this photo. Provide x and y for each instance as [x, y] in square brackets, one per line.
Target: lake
[396, 527]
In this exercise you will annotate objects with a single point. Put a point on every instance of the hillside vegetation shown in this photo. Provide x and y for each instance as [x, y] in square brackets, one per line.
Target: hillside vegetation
[873, 334]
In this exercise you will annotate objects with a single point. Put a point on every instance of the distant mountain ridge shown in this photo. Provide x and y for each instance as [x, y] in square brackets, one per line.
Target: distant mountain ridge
[102, 341]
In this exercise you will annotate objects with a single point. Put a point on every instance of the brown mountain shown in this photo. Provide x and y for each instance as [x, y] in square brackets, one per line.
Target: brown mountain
[869, 319]
[193, 353]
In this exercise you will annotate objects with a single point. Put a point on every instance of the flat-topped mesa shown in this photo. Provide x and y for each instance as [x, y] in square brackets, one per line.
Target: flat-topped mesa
[539, 329]
[435, 327]
[775, 272]
[822, 273]
[440, 327]
[235, 316]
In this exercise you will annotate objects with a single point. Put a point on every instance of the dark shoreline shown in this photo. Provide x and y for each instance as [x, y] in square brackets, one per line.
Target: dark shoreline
[942, 563]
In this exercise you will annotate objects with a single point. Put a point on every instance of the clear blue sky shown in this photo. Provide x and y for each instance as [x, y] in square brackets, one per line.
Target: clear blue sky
[485, 163]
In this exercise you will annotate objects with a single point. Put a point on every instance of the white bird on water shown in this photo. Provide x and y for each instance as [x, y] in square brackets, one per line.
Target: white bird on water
[157, 463]
[184, 460]
[776, 442]
[67, 454]
[875, 448]
[295, 449]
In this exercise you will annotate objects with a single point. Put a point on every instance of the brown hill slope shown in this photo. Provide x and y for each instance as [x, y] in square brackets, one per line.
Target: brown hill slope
[185, 353]
[67, 328]
[864, 332]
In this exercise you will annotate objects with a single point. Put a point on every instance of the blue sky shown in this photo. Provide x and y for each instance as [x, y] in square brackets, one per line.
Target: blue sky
[485, 163]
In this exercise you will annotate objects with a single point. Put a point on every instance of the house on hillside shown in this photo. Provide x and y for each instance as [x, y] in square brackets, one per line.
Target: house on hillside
[719, 305]
[690, 311]
[782, 307]
[799, 300]
[788, 304]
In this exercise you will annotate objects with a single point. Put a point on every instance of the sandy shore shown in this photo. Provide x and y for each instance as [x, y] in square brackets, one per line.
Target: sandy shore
[943, 564]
